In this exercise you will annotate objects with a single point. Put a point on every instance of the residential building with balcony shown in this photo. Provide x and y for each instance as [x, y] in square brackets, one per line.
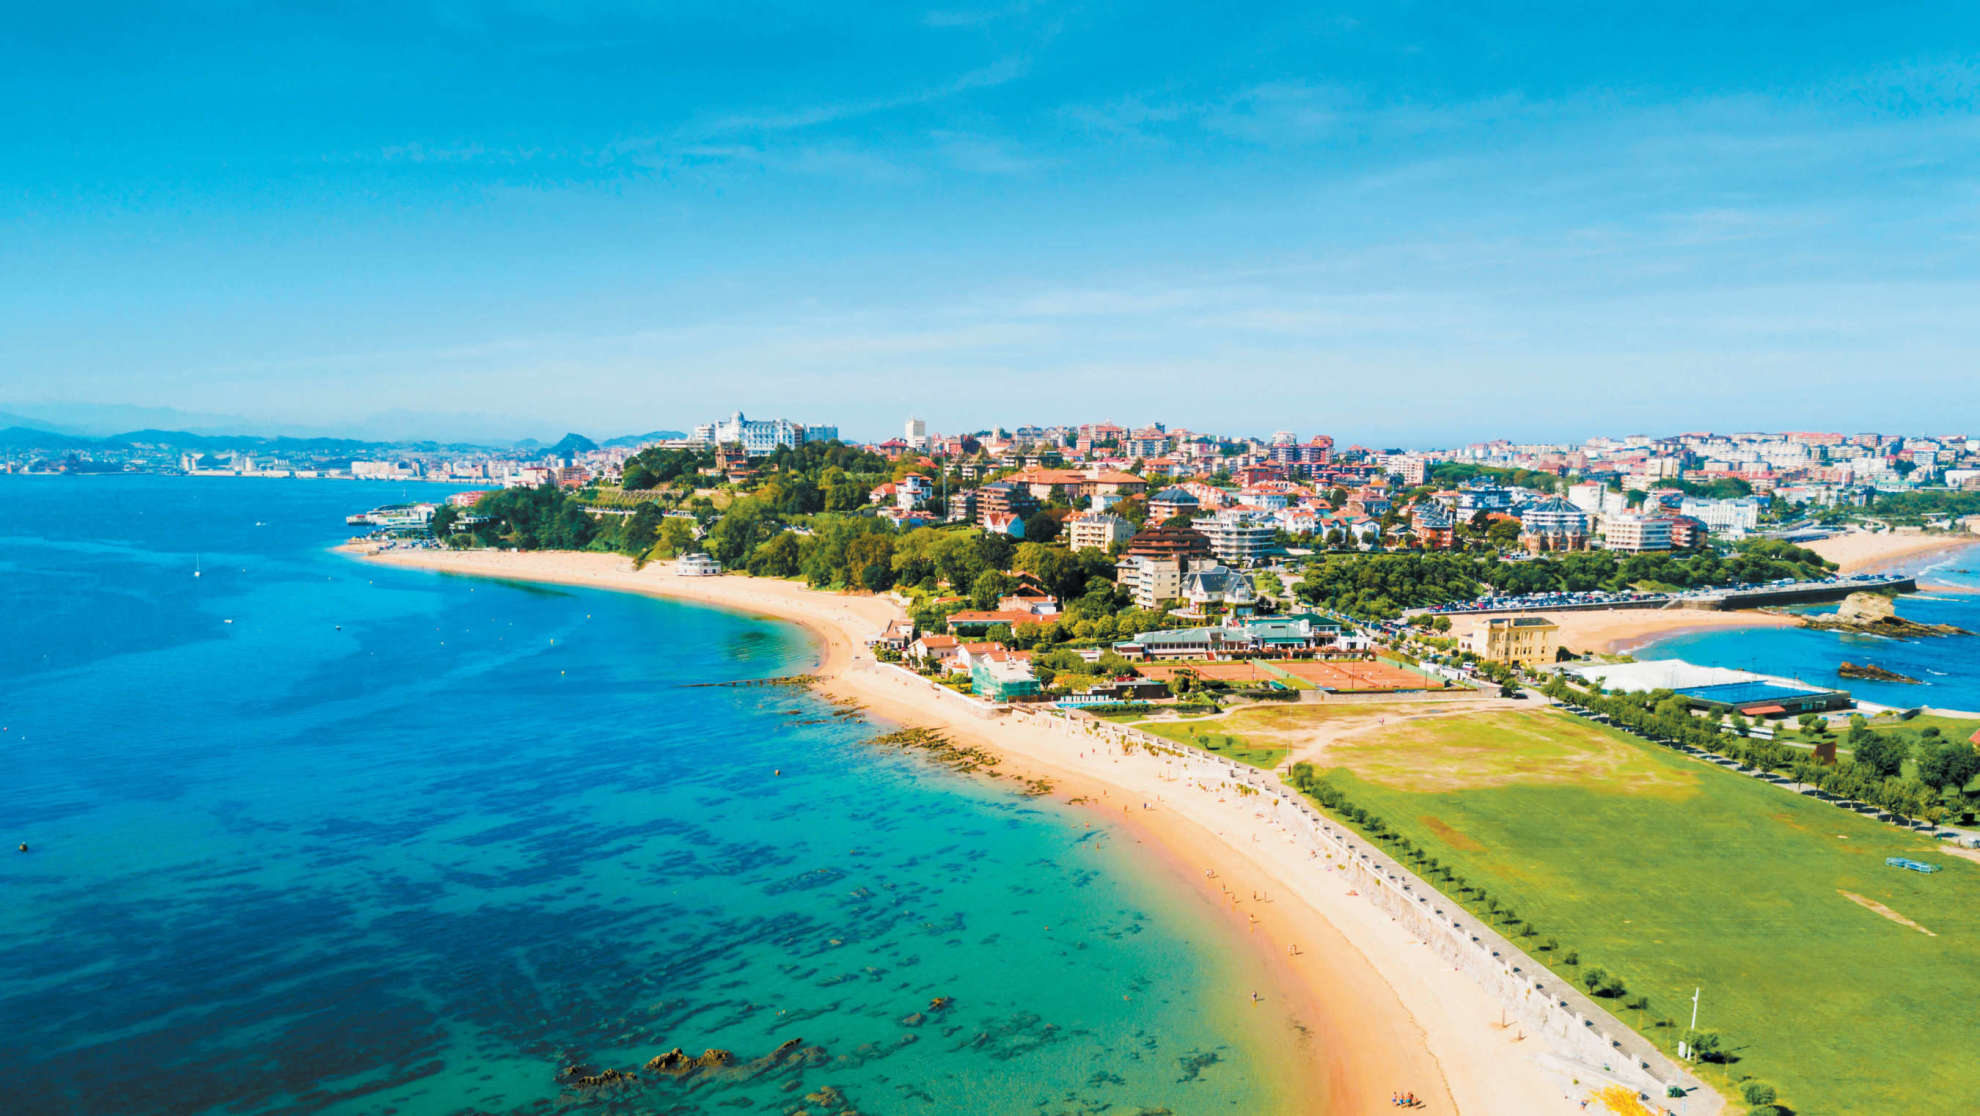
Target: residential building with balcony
[1238, 537]
[1097, 530]
[1636, 534]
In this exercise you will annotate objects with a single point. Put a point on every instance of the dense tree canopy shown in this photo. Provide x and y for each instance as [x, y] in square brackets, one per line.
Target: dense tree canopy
[1384, 585]
[656, 466]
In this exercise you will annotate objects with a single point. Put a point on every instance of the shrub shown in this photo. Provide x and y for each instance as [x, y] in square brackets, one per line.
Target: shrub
[1758, 1092]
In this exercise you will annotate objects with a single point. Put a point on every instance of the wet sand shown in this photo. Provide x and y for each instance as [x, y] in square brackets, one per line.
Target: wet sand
[1362, 1009]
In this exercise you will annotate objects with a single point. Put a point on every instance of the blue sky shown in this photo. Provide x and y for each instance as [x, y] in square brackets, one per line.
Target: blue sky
[1399, 223]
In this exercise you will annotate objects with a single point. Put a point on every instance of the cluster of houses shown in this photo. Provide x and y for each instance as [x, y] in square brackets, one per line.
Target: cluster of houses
[998, 673]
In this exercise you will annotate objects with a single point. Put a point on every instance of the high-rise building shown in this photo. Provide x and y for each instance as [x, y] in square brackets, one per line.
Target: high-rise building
[917, 433]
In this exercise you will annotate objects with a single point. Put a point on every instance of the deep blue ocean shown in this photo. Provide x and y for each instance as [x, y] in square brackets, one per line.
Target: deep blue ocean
[1947, 668]
[313, 836]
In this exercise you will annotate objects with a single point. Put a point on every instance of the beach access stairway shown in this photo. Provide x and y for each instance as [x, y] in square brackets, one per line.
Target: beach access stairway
[1584, 1042]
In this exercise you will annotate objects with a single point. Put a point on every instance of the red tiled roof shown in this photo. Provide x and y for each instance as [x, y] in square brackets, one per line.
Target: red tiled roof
[1761, 710]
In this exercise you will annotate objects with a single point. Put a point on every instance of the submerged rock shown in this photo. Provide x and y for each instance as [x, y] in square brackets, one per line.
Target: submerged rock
[678, 1062]
[600, 1080]
[673, 1061]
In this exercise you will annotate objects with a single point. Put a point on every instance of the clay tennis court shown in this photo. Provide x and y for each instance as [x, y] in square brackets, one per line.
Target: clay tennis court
[1240, 671]
[1355, 676]
[1345, 676]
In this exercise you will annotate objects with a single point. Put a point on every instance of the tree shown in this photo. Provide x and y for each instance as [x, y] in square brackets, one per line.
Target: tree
[1704, 1045]
[1947, 765]
[780, 556]
[676, 537]
[641, 531]
[746, 525]
[1758, 1092]
[1041, 527]
[987, 588]
[444, 518]
[1883, 753]
[1601, 982]
[1059, 569]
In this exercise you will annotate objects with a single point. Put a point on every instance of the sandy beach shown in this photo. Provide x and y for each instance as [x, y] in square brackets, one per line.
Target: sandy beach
[1623, 630]
[1864, 551]
[1366, 1009]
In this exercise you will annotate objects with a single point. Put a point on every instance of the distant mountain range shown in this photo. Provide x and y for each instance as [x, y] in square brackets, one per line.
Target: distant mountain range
[18, 433]
[651, 436]
[117, 423]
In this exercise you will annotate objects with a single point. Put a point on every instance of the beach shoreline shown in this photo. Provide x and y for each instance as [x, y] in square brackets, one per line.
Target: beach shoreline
[1363, 1014]
[1881, 551]
[1625, 631]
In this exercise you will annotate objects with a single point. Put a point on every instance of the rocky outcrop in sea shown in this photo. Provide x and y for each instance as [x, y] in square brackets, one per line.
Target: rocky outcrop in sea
[1876, 614]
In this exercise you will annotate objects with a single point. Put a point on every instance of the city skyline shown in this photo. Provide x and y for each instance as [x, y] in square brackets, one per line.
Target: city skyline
[1414, 226]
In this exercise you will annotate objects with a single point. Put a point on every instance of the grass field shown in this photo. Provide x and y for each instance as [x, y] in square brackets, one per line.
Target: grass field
[1215, 738]
[1851, 986]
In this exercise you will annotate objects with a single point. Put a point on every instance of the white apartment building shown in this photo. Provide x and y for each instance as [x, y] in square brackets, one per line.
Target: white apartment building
[1587, 496]
[1238, 537]
[1150, 581]
[1411, 467]
[1726, 517]
[1097, 530]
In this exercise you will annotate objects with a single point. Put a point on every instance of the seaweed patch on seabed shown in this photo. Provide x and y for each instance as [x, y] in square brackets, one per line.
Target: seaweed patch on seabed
[714, 1069]
[957, 757]
[781, 680]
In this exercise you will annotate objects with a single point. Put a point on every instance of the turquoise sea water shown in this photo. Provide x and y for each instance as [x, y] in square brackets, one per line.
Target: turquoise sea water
[1948, 668]
[313, 836]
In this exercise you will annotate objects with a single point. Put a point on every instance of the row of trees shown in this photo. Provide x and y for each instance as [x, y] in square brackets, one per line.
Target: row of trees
[1599, 982]
[1873, 776]
[1384, 585]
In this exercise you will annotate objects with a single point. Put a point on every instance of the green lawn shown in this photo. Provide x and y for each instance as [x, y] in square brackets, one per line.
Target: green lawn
[1672, 875]
[1218, 740]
